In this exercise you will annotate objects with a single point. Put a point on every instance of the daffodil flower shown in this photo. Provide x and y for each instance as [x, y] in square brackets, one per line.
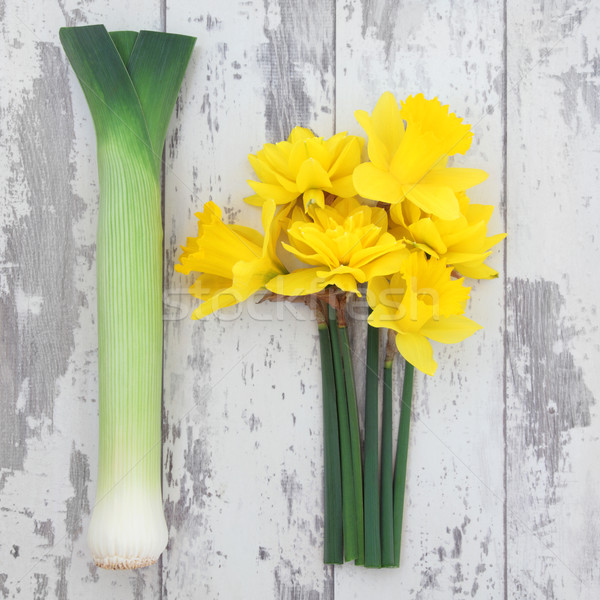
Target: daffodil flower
[420, 303]
[347, 242]
[307, 166]
[235, 261]
[462, 242]
[411, 163]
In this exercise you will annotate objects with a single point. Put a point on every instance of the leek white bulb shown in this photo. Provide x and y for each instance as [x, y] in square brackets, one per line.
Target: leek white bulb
[128, 529]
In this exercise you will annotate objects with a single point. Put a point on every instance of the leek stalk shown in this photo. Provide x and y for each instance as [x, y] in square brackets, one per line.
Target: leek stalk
[131, 81]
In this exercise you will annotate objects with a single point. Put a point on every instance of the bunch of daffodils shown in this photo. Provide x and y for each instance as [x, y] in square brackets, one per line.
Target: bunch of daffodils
[396, 226]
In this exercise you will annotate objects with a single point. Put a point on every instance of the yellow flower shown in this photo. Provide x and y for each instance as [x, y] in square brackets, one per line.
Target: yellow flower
[305, 165]
[347, 242]
[411, 163]
[462, 242]
[235, 261]
[421, 303]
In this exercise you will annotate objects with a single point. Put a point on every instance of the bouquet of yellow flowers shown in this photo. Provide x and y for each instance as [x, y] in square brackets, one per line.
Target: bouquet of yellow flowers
[398, 227]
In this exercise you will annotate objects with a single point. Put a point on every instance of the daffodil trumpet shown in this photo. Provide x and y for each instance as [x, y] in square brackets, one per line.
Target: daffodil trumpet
[118, 73]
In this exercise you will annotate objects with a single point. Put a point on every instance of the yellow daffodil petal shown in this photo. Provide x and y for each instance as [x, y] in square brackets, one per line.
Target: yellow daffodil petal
[313, 197]
[344, 281]
[297, 283]
[437, 200]
[248, 233]
[417, 351]
[347, 160]
[322, 244]
[450, 330]
[387, 122]
[457, 179]
[336, 143]
[478, 212]
[287, 184]
[383, 246]
[383, 316]
[385, 265]
[456, 258]
[312, 175]
[262, 169]
[222, 299]
[378, 153]
[343, 187]
[272, 224]
[429, 251]
[300, 134]
[377, 184]
[375, 290]
[464, 234]
[276, 156]
[254, 200]
[493, 240]
[426, 232]
[309, 259]
[251, 276]
[317, 150]
[477, 271]
[208, 285]
[272, 192]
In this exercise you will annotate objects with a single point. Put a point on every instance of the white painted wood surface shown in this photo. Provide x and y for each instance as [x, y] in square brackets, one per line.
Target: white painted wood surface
[502, 499]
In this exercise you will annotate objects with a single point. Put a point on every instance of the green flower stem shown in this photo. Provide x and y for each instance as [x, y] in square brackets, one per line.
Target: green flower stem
[401, 458]
[333, 552]
[354, 440]
[387, 494]
[371, 483]
[348, 497]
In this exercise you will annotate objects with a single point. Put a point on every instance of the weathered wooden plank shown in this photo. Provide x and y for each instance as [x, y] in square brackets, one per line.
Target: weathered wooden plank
[453, 542]
[243, 450]
[552, 375]
[48, 389]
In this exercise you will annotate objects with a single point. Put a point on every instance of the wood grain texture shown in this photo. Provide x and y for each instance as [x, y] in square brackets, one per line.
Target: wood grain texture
[552, 300]
[502, 498]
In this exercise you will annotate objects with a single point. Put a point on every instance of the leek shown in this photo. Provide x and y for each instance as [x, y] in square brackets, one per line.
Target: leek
[131, 81]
